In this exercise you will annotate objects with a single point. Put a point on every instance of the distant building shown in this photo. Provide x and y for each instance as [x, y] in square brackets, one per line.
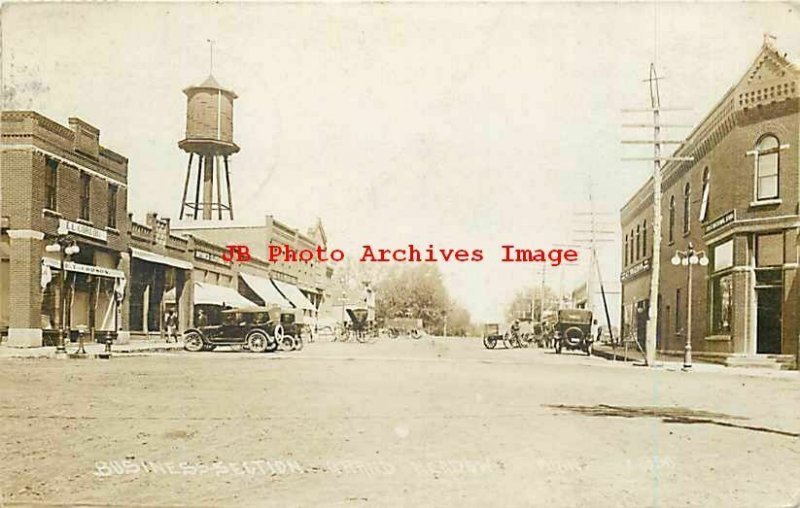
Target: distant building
[738, 201]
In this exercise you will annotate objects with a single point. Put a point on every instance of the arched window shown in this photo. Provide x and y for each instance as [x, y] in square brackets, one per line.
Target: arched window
[626, 250]
[638, 244]
[644, 238]
[706, 190]
[672, 218]
[767, 167]
[687, 205]
[632, 258]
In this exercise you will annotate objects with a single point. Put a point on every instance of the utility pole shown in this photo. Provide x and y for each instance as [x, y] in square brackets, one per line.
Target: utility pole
[657, 142]
[596, 233]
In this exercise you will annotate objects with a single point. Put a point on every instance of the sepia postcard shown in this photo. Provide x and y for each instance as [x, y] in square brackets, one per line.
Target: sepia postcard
[400, 254]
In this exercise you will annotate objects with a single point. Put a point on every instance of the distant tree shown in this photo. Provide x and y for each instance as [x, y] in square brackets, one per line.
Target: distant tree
[527, 300]
[419, 292]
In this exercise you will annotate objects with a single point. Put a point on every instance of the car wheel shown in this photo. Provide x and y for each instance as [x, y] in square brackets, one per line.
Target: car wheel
[278, 333]
[257, 342]
[489, 342]
[193, 342]
[287, 343]
[298, 344]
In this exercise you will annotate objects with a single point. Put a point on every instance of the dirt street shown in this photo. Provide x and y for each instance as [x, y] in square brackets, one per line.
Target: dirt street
[399, 423]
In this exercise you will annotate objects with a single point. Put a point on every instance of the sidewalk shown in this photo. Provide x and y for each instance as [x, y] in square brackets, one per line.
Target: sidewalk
[672, 363]
[94, 350]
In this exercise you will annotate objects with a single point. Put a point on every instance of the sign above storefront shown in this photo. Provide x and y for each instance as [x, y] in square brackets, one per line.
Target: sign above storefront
[66, 226]
[641, 267]
[98, 271]
[720, 221]
[211, 258]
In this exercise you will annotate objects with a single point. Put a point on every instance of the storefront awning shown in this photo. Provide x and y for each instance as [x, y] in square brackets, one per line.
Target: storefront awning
[211, 294]
[293, 294]
[71, 266]
[265, 290]
[152, 257]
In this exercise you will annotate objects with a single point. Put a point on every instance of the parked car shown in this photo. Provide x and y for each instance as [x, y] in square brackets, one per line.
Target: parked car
[251, 327]
[573, 330]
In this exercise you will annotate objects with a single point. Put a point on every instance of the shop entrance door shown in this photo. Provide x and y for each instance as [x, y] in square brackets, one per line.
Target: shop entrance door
[768, 320]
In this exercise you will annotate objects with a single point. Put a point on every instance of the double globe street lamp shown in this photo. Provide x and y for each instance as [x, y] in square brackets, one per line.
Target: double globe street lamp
[66, 246]
[689, 258]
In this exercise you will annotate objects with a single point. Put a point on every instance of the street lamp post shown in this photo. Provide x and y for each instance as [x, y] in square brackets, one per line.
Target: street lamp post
[65, 246]
[689, 258]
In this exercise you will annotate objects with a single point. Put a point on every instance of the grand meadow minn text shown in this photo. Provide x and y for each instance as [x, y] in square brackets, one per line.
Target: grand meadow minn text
[410, 254]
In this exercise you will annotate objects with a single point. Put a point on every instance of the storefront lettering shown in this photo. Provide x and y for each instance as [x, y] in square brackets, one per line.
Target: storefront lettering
[721, 221]
[65, 226]
[635, 270]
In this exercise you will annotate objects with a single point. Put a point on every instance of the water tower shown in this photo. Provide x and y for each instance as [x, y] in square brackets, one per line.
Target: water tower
[209, 139]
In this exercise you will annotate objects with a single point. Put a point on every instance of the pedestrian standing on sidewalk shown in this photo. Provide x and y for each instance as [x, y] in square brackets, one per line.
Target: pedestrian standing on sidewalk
[172, 326]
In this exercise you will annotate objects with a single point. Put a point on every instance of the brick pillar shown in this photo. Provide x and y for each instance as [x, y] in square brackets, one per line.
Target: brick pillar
[25, 291]
[124, 264]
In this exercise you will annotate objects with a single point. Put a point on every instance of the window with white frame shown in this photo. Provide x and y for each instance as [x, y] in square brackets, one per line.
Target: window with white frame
[706, 189]
[767, 155]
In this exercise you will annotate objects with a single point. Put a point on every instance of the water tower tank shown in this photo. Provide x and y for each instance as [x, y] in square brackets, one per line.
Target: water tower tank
[209, 119]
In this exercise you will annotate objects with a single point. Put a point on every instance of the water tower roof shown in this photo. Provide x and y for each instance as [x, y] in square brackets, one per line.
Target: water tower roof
[211, 83]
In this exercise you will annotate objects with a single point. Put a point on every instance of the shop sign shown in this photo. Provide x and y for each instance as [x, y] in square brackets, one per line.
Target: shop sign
[636, 269]
[207, 256]
[720, 221]
[98, 271]
[66, 226]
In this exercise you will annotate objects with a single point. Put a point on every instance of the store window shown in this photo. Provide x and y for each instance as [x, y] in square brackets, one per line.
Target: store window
[51, 185]
[721, 288]
[86, 184]
[678, 309]
[767, 167]
[722, 303]
[723, 256]
[706, 189]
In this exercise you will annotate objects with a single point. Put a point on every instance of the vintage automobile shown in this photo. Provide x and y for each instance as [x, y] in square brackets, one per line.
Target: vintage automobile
[572, 330]
[251, 327]
[411, 327]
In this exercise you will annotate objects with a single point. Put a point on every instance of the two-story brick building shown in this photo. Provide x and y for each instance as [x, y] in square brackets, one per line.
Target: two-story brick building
[738, 201]
[59, 180]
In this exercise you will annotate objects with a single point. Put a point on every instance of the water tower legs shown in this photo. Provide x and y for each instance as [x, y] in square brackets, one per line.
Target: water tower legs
[208, 187]
[205, 204]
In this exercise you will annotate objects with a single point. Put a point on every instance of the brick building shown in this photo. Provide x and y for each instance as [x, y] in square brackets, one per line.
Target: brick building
[738, 201]
[58, 179]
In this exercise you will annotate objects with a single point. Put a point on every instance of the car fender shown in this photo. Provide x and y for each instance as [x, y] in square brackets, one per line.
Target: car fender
[197, 331]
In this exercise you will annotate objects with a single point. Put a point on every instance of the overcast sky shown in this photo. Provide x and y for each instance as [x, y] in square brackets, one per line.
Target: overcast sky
[458, 125]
